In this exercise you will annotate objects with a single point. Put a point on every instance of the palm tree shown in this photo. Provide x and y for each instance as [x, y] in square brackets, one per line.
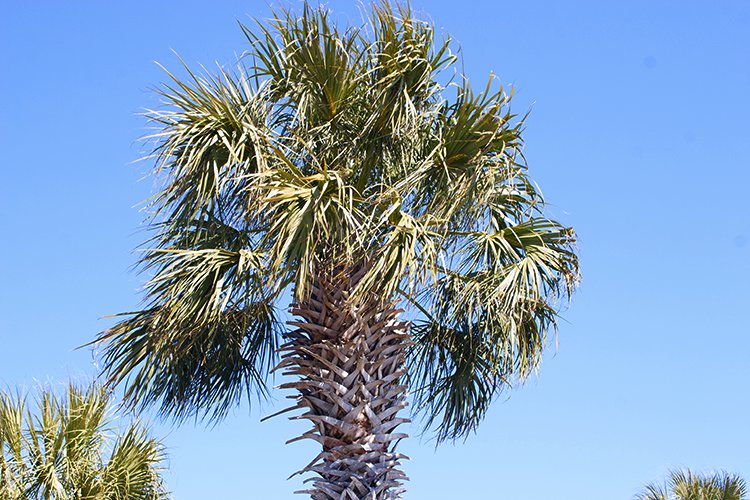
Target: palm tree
[686, 485]
[352, 178]
[66, 450]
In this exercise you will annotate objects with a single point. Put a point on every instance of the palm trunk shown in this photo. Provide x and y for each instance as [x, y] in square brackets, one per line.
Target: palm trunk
[350, 361]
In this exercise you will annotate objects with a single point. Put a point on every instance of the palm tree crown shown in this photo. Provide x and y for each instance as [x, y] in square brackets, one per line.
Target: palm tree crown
[359, 158]
[686, 485]
[66, 451]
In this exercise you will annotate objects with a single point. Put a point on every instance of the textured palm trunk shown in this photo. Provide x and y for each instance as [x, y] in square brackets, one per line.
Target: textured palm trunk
[350, 362]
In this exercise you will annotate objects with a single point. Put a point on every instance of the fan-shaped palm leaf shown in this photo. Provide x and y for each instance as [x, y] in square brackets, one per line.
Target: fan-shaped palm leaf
[687, 485]
[65, 450]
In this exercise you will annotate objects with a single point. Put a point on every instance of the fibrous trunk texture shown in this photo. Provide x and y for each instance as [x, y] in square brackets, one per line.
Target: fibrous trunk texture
[350, 361]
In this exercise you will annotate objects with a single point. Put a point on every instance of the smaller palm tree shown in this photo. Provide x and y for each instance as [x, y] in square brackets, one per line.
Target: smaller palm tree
[67, 450]
[686, 485]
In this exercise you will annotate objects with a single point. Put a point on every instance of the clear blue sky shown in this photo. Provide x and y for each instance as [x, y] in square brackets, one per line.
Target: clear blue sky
[639, 137]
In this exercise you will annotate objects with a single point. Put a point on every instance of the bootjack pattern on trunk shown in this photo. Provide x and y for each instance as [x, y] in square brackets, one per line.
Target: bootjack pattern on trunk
[350, 362]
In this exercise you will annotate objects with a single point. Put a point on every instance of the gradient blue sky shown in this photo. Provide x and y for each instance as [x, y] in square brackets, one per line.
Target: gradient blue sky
[638, 137]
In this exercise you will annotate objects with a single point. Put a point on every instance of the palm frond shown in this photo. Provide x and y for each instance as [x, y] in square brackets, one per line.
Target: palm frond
[15, 473]
[62, 449]
[405, 256]
[685, 484]
[213, 134]
[455, 373]
[486, 321]
[208, 336]
[134, 466]
[312, 215]
[654, 492]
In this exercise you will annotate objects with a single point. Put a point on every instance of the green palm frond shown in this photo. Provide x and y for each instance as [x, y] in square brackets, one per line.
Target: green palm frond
[217, 329]
[308, 214]
[687, 485]
[133, 466]
[329, 147]
[65, 450]
[15, 472]
[486, 320]
[210, 138]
